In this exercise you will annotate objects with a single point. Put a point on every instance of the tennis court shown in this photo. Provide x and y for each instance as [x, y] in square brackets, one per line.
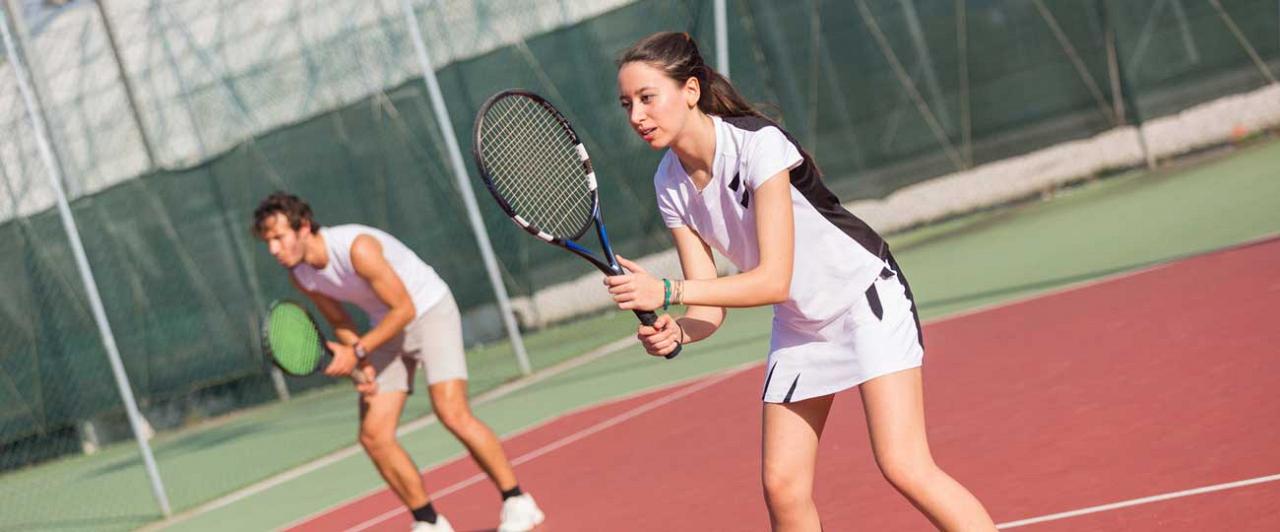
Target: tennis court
[1107, 414]
[1057, 380]
[1084, 196]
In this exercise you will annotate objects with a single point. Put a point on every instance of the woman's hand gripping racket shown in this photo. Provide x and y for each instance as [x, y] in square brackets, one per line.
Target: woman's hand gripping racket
[535, 166]
[292, 339]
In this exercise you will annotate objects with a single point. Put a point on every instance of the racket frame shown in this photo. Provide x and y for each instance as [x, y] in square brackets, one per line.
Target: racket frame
[609, 265]
[356, 374]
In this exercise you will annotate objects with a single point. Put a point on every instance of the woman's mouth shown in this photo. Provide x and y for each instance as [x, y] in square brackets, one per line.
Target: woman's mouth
[647, 133]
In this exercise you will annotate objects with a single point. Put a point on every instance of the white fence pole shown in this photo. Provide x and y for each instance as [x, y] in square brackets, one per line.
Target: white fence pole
[722, 39]
[464, 187]
[136, 422]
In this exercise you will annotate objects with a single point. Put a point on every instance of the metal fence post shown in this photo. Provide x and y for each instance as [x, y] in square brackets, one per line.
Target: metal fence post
[136, 421]
[464, 187]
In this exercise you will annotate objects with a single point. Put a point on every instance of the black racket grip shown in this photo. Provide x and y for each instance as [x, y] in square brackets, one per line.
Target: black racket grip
[647, 318]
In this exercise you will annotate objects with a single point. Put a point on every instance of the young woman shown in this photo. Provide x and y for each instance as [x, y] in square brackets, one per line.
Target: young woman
[733, 180]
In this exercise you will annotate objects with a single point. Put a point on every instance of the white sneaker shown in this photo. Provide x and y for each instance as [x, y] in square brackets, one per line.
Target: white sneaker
[520, 514]
[441, 525]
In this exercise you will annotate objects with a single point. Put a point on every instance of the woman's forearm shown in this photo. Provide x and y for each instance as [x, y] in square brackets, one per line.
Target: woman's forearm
[748, 289]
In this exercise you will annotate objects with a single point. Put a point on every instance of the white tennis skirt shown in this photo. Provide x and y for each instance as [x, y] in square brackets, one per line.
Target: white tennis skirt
[879, 334]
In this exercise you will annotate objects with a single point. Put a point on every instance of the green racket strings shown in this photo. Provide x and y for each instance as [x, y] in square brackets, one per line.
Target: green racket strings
[293, 339]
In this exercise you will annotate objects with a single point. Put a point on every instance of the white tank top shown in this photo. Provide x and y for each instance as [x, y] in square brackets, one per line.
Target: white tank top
[339, 280]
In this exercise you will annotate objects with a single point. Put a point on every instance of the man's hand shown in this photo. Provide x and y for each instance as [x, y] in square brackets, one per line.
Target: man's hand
[344, 360]
[369, 387]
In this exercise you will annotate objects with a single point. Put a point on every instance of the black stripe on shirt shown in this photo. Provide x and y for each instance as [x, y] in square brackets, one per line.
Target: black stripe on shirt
[906, 288]
[807, 178]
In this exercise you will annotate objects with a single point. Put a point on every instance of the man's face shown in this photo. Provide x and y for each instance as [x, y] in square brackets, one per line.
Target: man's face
[285, 244]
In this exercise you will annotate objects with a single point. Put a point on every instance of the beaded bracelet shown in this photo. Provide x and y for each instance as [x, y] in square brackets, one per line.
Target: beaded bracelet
[666, 293]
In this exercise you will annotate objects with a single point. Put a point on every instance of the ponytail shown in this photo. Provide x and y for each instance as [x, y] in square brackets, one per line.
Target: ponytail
[676, 54]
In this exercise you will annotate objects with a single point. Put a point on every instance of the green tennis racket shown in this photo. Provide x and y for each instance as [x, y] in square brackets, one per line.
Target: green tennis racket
[292, 339]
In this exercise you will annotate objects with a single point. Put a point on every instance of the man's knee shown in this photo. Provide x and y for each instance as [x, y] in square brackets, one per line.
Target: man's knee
[377, 440]
[378, 429]
[454, 415]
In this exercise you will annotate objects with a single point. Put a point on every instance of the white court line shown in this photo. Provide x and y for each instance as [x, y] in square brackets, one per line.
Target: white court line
[571, 438]
[711, 381]
[539, 425]
[408, 428]
[536, 426]
[1137, 502]
[613, 347]
[1141, 269]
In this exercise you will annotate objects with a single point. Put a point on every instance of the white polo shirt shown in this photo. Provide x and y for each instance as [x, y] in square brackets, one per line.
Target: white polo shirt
[837, 256]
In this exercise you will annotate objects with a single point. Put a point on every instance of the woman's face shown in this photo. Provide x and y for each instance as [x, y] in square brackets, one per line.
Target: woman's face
[657, 106]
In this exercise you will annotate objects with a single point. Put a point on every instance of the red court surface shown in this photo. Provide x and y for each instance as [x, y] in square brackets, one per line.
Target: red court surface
[1148, 384]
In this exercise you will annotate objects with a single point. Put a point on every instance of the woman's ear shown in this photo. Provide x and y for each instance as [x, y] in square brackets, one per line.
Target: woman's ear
[692, 92]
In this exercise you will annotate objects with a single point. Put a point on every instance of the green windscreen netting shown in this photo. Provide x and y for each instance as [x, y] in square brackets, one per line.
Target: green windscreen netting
[169, 128]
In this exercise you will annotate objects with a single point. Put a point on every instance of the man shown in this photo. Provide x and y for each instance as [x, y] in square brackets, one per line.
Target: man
[414, 321]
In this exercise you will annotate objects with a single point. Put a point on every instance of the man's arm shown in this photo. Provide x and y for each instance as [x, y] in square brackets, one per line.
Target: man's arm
[371, 265]
[344, 358]
[343, 328]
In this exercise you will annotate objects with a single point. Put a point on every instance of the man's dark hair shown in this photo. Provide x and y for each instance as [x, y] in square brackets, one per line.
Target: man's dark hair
[293, 207]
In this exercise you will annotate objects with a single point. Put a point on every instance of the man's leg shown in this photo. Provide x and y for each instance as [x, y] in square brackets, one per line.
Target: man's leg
[379, 415]
[449, 400]
[435, 339]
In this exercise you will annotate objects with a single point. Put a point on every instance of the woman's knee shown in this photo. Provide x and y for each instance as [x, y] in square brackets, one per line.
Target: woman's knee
[784, 488]
[906, 471]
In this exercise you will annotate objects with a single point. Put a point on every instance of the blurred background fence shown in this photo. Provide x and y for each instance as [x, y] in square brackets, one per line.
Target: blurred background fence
[170, 119]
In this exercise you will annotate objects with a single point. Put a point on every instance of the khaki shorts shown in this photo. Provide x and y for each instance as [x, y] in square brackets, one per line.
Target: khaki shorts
[434, 339]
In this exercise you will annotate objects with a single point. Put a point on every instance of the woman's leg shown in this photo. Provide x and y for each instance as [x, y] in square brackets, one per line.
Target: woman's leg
[894, 405]
[790, 439]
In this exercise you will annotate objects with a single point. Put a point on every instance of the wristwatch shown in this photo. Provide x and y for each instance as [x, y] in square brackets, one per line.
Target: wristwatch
[359, 349]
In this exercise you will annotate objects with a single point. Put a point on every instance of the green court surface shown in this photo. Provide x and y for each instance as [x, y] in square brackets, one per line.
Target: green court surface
[1086, 232]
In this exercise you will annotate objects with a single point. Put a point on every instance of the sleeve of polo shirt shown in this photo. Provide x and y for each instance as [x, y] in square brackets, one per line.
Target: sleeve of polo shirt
[667, 198]
[769, 153]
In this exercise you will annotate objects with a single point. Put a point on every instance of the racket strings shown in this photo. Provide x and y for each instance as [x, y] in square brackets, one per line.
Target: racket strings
[559, 167]
[534, 165]
[293, 339]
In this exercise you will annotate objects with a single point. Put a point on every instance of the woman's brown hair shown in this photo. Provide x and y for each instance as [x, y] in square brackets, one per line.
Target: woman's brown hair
[676, 54]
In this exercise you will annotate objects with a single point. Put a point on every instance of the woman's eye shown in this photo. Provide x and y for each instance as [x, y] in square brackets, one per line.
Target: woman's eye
[645, 98]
